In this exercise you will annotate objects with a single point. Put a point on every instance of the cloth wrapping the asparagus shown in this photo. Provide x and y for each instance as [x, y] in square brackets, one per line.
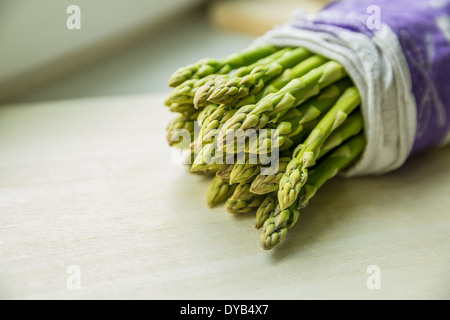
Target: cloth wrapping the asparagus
[397, 52]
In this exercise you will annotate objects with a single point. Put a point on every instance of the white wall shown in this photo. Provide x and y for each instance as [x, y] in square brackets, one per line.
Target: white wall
[36, 44]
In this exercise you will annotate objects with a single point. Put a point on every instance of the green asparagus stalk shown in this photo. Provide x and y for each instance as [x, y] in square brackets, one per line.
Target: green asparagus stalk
[209, 66]
[276, 226]
[212, 124]
[210, 159]
[248, 68]
[351, 127]
[263, 142]
[292, 123]
[245, 172]
[277, 140]
[219, 191]
[302, 68]
[242, 200]
[297, 171]
[224, 171]
[275, 105]
[265, 184]
[205, 113]
[266, 208]
[201, 95]
[231, 91]
[197, 71]
[330, 166]
[184, 93]
[179, 128]
[289, 74]
[273, 86]
[182, 108]
[207, 159]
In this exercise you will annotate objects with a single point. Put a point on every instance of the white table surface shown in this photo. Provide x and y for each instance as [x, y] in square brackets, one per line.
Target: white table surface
[89, 184]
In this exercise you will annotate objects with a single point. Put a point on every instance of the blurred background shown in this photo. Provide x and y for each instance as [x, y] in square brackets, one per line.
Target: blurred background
[122, 47]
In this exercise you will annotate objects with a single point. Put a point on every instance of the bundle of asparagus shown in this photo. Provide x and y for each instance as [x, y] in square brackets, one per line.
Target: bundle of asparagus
[286, 104]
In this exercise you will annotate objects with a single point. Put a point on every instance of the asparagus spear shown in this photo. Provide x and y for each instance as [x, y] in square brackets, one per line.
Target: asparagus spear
[216, 121]
[265, 184]
[292, 122]
[276, 226]
[201, 96]
[212, 124]
[179, 128]
[244, 172]
[351, 127]
[209, 66]
[289, 74]
[275, 105]
[184, 93]
[197, 71]
[207, 159]
[181, 107]
[224, 171]
[242, 200]
[206, 113]
[278, 139]
[266, 208]
[274, 85]
[219, 191]
[231, 90]
[331, 166]
[297, 170]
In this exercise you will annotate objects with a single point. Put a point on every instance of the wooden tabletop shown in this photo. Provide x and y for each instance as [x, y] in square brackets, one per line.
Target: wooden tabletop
[93, 207]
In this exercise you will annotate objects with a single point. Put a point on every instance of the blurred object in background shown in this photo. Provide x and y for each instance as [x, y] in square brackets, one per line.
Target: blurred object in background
[258, 16]
[36, 44]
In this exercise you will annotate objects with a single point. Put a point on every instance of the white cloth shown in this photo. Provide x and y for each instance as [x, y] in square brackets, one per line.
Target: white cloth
[379, 70]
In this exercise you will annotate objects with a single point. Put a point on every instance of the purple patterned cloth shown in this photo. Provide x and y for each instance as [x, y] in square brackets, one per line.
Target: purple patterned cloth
[423, 31]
